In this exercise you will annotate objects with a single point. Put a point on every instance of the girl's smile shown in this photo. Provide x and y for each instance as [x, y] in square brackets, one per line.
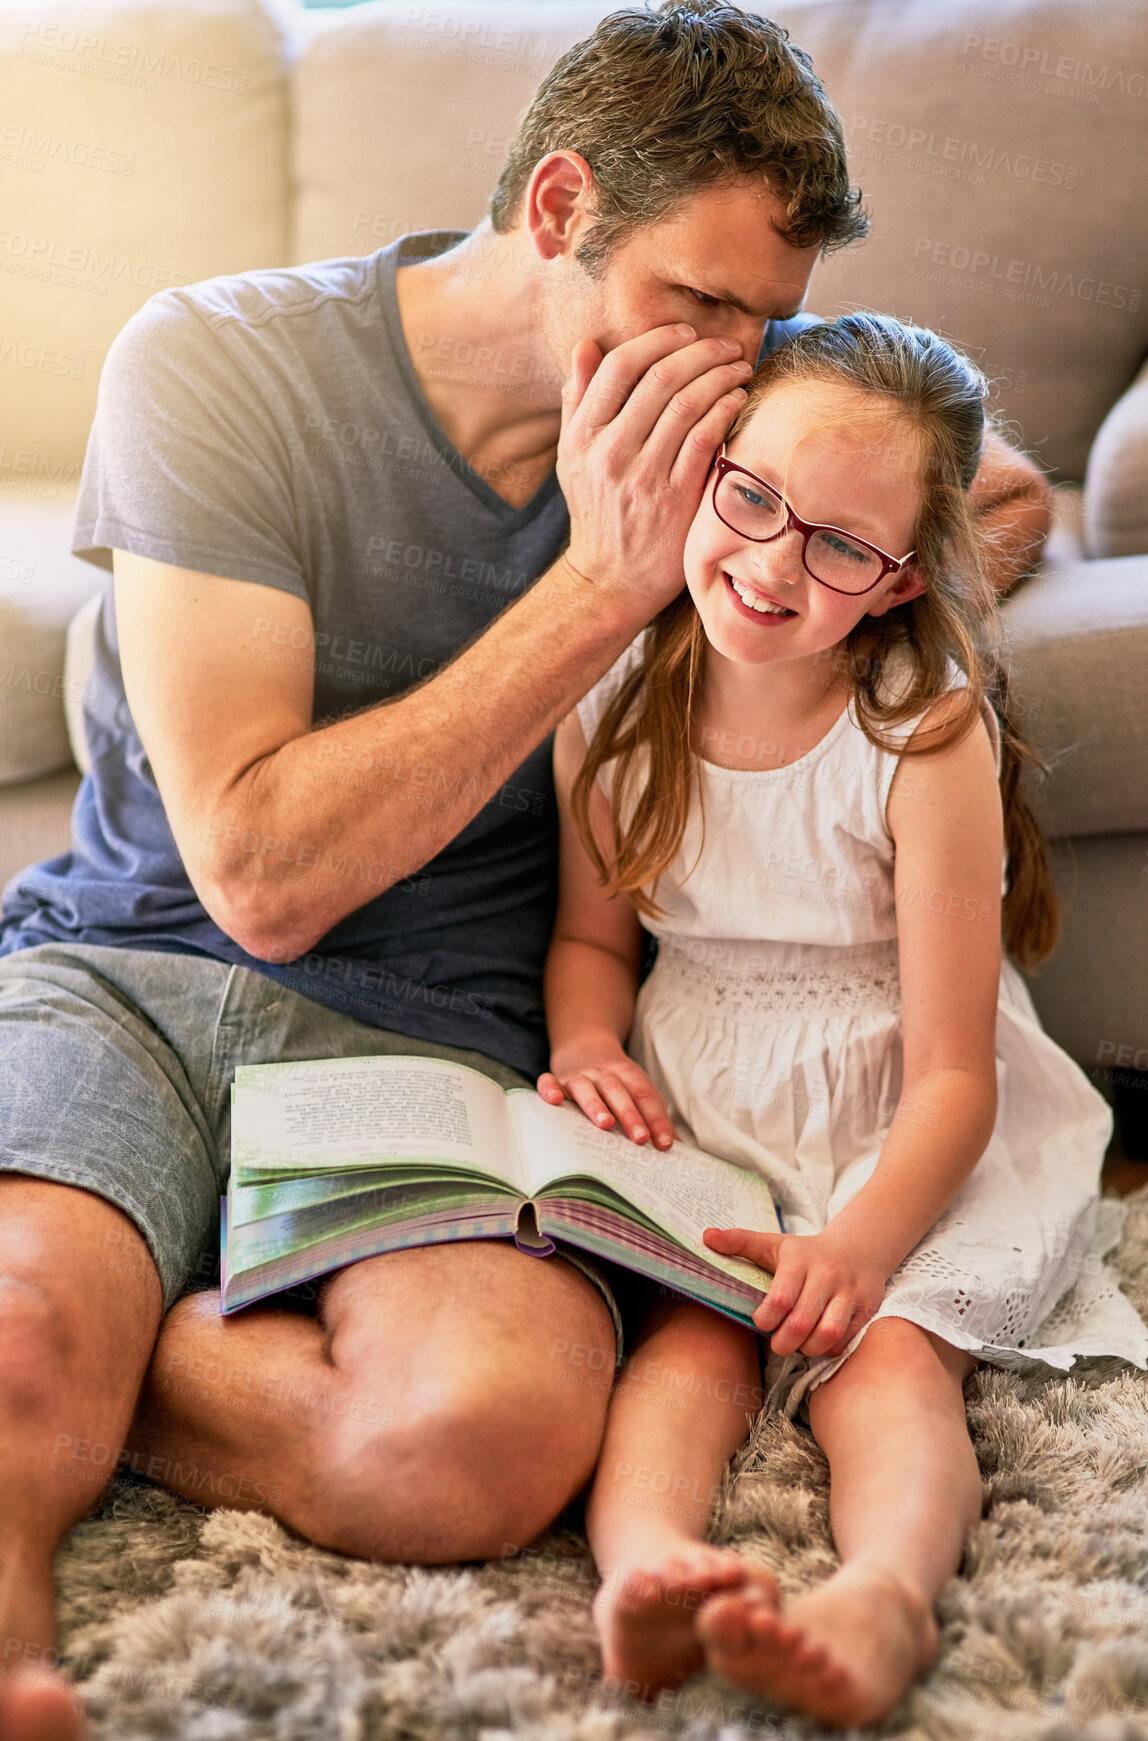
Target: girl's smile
[758, 603]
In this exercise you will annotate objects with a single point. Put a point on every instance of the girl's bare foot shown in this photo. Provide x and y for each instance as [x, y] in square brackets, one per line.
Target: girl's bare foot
[844, 1653]
[646, 1607]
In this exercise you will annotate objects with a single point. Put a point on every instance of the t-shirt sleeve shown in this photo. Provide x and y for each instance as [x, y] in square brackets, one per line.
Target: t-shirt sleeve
[184, 461]
[779, 332]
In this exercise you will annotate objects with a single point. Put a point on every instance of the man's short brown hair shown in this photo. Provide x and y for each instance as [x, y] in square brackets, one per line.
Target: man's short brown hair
[662, 103]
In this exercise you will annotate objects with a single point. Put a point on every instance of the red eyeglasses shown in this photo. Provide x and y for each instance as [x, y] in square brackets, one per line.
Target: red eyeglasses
[755, 510]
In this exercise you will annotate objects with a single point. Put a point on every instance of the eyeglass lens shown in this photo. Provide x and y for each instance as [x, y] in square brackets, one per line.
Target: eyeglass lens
[754, 510]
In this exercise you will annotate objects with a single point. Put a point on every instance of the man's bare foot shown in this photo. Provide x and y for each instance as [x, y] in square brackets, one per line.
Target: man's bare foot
[645, 1610]
[844, 1653]
[36, 1703]
[38, 1707]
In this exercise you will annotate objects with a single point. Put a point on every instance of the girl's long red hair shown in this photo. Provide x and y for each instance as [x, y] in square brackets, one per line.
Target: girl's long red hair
[645, 732]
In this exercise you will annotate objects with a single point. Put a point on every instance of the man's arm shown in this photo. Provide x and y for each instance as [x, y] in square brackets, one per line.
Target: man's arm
[268, 811]
[264, 807]
[1013, 501]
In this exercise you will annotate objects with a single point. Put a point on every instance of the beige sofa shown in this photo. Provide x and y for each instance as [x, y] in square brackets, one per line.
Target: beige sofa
[1001, 146]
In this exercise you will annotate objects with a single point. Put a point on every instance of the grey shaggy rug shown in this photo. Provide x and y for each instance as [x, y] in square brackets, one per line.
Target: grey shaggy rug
[184, 1625]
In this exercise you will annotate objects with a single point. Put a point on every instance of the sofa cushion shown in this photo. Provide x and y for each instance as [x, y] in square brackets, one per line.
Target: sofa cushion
[996, 145]
[1115, 496]
[1090, 995]
[144, 145]
[35, 818]
[41, 588]
[1078, 652]
[1065, 542]
[402, 114]
[986, 139]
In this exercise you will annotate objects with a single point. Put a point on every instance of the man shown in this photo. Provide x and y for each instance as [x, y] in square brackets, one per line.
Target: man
[320, 821]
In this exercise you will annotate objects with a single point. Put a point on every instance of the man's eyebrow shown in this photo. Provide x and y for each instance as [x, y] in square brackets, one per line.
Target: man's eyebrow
[744, 307]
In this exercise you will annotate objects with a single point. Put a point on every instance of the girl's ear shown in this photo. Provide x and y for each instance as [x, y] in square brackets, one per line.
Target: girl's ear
[908, 583]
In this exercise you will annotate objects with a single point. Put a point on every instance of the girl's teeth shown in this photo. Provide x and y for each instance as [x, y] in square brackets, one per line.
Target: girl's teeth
[758, 604]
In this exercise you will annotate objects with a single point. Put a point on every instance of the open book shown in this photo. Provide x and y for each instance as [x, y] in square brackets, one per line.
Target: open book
[344, 1158]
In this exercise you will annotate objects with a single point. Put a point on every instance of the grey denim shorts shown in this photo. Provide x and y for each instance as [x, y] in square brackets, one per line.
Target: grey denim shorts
[115, 1075]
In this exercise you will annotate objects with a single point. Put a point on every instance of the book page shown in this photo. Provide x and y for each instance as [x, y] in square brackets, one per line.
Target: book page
[331, 1114]
[682, 1189]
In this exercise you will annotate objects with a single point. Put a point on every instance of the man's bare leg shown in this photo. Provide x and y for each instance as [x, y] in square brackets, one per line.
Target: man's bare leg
[683, 1404]
[428, 1414]
[80, 1303]
[904, 1493]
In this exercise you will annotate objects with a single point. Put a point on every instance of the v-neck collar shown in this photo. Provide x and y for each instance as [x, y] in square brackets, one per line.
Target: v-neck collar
[424, 245]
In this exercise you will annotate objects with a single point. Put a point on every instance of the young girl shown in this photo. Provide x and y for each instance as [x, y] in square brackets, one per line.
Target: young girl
[795, 778]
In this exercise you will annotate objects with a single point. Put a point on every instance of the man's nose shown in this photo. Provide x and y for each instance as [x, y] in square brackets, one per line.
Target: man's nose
[747, 331]
[743, 329]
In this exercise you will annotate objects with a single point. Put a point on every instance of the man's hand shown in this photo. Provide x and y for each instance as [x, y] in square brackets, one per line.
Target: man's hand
[1012, 500]
[604, 1083]
[821, 1293]
[639, 432]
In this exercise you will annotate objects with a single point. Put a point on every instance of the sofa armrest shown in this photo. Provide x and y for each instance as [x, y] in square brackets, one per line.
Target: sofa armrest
[1077, 646]
[35, 820]
[41, 587]
[78, 660]
[1115, 497]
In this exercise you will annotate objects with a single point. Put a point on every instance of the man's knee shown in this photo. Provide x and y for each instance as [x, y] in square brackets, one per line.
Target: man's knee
[37, 1342]
[62, 1303]
[456, 1472]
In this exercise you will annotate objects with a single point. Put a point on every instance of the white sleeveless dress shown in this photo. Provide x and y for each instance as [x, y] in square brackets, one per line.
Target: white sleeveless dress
[771, 1024]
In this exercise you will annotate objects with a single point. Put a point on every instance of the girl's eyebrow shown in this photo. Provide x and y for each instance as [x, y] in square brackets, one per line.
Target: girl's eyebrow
[864, 528]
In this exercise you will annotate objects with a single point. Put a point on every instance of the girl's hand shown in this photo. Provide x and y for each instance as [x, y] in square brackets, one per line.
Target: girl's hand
[823, 1290]
[606, 1084]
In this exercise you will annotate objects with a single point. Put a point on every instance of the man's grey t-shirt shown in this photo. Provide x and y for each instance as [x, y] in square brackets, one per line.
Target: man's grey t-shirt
[269, 427]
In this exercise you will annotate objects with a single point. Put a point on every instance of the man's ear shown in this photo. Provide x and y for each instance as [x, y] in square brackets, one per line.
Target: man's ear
[908, 583]
[557, 201]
